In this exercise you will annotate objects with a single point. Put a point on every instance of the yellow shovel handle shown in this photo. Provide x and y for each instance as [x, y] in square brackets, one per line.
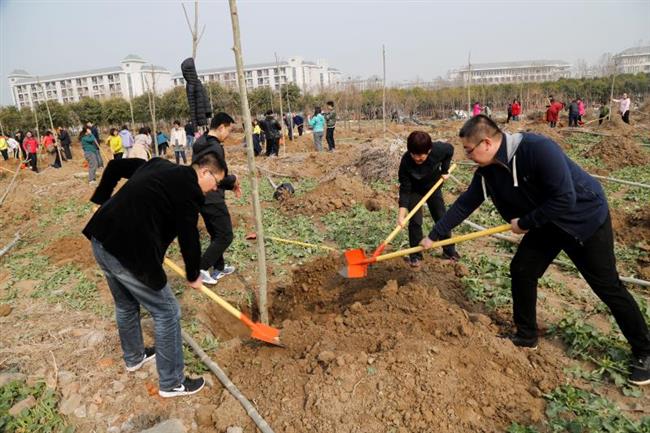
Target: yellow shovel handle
[418, 206]
[229, 308]
[304, 244]
[442, 243]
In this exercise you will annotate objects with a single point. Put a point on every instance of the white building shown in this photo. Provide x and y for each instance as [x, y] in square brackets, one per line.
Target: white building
[633, 60]
[513, 72]
[133, 77]
[309, 76]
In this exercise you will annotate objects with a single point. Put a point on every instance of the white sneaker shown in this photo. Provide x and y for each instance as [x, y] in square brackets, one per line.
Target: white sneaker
[227, 270]
[207, 279]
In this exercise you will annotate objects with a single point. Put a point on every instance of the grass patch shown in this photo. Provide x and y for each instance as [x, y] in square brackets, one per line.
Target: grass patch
[488, 282]
[574, 410]
[44, 417]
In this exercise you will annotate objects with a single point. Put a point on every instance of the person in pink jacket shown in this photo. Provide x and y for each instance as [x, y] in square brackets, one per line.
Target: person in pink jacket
[581, 110]
[476, 109]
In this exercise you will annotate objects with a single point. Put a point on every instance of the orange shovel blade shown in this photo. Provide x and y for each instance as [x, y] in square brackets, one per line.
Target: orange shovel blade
[354, 271]
[266, 333]
[355, 257]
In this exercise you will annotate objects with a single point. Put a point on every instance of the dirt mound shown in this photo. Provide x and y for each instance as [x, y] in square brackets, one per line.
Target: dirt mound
[380, 162]
[387, 353]
[71, 249]
[616, 126]
[618, 152]
[545, 130]
[341, 192]
[632, 228]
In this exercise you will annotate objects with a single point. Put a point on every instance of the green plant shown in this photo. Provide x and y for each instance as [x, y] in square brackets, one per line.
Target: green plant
[488, 282]
[193, 365]
[44, 417]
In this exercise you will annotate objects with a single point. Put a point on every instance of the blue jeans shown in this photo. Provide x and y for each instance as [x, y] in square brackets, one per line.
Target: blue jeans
[318, 141]
[129, 294]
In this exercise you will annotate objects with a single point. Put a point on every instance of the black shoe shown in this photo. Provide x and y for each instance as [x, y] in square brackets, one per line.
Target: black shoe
[415, 262]
[640, 371]
[519, 341]
[453, 256]
[188, 387]
[149, 354]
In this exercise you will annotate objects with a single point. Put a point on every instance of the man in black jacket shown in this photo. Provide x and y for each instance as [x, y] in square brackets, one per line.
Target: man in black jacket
[197, 100]
[558, 206]
[130, 234]
[421, 167]
[214, 211]
[64, 136]
[272, 130]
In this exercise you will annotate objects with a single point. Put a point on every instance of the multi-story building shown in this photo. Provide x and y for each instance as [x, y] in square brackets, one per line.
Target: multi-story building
[633, 60]
[309, 76]
[133, 77]
[512, 72]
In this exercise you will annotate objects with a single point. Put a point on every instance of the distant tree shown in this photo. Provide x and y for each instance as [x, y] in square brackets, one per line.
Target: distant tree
[173, 105]
[88, 110]
[11, 119]
[60, 115]
[116, 111]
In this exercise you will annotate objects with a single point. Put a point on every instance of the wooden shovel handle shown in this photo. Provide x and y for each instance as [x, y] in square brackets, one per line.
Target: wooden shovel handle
[442, 243]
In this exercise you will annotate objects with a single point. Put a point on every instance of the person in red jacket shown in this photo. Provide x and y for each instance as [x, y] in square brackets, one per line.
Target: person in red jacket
[553, 112]
[30, 145]
[516, 109]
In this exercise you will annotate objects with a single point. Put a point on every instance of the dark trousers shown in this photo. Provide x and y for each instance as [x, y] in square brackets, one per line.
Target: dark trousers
[595, 260]
[180, 154]
[329, 136]
[272, 146]
[626, 116]
[5, 154]
[300, 130]
[118, 155]
[257, 147]
[290, 132]
[33, 161]
[66, 151]
[217, 221]
[573, 120]
[57, 158]
[436, 205]
[552, 124]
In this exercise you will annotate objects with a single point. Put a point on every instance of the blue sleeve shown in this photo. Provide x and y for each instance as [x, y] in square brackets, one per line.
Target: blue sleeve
[553, 176]
[461, 209]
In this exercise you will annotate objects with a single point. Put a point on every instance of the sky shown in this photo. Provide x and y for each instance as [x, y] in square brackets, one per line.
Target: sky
[423, 39]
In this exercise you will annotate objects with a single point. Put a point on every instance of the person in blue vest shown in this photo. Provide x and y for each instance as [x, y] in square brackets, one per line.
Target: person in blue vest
[557, 206]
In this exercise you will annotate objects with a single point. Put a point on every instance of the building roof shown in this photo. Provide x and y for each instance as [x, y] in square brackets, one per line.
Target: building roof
[634, 51]
[248, 67]
[63, 76]
[516, 64]
[19, 72]
[133, 58]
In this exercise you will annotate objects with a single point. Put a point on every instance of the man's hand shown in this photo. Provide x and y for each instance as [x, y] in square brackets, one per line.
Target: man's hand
[237, 189]
[445, 176]
[401, 216]
[426, 243]
[196, 284]
[515, 227]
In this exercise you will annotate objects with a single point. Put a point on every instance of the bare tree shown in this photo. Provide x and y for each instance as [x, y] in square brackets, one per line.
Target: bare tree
[250, 158]
[196, 36]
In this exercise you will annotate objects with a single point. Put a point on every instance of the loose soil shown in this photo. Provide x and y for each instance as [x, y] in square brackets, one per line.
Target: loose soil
[397, 351]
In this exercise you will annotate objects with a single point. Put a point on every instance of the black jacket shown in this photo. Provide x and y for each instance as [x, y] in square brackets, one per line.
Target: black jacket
[159, 202]
[535, 181]
[271, 127]
[208, 143]
[200, 110]
[65, 138]
[420, 178]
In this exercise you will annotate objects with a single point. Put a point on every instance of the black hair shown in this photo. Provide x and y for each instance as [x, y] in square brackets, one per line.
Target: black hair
[221, 119]
[124, 127]
[330, 103]
[268, 112]
[142, 130]
[479, 125]
[112, 131]
[418, 143]
[48, 132]
[176, 122]
[212, 160]
[317, 110]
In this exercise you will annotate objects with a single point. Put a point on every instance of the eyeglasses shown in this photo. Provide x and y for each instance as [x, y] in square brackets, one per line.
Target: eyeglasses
[216, 181]
[469, 152]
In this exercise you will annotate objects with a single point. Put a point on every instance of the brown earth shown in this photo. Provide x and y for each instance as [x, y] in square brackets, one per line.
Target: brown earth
[397, 351]
[618, 152]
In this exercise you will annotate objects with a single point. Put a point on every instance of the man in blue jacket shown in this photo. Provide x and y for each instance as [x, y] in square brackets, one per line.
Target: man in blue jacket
[558, 206]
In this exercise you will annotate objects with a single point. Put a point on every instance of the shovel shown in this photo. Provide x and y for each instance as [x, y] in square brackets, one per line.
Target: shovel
[352, 255]
[261, 331]
[357, 263]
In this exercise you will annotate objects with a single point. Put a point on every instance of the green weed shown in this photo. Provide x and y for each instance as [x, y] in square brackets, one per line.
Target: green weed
[488, 282]
[44, 417]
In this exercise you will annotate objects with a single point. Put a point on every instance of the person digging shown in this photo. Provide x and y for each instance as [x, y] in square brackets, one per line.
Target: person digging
[422, 165]
[557, 206]
[215, 211]
[130, 234]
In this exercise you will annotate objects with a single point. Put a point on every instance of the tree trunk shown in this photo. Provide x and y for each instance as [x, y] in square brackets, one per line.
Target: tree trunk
[250, 158]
